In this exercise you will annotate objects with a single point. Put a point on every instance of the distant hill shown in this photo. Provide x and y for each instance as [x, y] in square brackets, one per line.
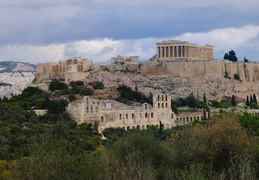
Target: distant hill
[10, 66]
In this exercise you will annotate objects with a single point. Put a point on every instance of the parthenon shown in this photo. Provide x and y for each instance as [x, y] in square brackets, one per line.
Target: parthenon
[174, 49]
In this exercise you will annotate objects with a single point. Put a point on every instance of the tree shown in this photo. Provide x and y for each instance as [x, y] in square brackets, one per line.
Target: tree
[204, 98]
[231, 56]
[245, 60]
[254, 99]
[233, 100]
[247, 101]
[237, 77]
[98, 85]
[57, 85]
[174, 108]
[71, 97]
[191, 101]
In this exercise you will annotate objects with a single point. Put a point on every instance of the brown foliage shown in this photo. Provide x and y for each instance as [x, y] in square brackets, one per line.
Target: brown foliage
[218, 146]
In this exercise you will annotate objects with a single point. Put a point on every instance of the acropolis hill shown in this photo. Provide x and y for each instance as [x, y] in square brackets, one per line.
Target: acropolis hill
[180, 68]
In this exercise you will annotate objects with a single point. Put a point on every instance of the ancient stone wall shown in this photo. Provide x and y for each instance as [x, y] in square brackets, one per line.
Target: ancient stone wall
[197, 69]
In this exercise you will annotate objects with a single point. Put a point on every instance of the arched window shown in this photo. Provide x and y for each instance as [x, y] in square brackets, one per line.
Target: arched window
[158, 98]
[152, 115]
[145, 115]
[166, 97]
[166, 105]
[162, 97]
[120, 116]
[162, 105]
[172, 115]
[158, 105]
[146, 106]
[126, 116]
[132, 116]
[102, 119]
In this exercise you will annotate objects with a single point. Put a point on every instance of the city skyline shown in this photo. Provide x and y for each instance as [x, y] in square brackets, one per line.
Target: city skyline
[44, 31]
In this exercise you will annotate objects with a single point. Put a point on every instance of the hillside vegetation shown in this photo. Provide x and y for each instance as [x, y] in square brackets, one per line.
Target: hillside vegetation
[54, 146]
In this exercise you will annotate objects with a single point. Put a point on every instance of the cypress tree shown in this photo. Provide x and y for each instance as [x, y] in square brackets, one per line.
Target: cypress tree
[251, 99]
[233, 101]
[254, 99]
[247, 101]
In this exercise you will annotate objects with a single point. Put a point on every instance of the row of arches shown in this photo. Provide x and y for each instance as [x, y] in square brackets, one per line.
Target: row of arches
[92, 109]
[189, 118]
[162, 97]
[162, 105]
[133, 116]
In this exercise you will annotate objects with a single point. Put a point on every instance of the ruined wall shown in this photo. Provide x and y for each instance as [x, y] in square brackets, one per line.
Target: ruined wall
[247, 71]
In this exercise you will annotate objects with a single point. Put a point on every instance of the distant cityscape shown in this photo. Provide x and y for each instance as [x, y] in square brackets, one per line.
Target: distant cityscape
[18, 80]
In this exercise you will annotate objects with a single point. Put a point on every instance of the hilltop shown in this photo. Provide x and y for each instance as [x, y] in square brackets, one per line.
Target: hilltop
[10, 66]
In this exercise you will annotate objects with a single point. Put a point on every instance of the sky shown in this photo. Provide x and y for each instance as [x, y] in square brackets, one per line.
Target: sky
[39, 31]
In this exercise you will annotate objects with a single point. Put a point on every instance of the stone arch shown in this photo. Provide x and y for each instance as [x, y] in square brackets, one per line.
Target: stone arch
[140, 115]
[132, 116]
[87, 109]
[162, 97]
[91, 109]
[166, 97]
[126, 116]
[158, 105]
[133, 127]
[145, 115]
[145, 106]
[102, 119]
[165, 105]
[158, 98]
[128, 128]
[143, 127]
[162, 105]
[152, 114]
[120, 116]
[138, 127]
[96, 108]
[147, 126]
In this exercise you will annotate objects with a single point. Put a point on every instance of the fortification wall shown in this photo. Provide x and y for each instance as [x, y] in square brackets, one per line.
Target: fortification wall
[247, 71]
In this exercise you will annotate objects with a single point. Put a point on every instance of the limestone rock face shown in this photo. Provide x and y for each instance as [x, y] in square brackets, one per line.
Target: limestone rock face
[179, 79]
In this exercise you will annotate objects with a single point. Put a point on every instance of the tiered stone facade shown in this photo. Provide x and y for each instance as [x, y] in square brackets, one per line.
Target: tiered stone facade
[174, 49]
[125, 60]
[109, 113]
[47, 71]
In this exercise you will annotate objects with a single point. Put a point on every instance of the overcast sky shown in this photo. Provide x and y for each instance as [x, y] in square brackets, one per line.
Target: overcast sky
[38, 31]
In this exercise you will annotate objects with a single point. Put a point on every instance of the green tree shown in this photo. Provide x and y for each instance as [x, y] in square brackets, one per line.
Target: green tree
[245, 60]
[57, 85]
[231, 56]
[191, 101]
[254, 99]
[174, 108]
[71, 97]
[237, 77]
[98, 85]
[247, 101]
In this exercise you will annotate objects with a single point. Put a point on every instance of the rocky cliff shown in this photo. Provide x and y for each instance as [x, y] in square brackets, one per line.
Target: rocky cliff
[179, 79]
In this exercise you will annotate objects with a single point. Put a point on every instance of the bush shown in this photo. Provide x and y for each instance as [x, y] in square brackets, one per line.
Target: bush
[237, 77]
[98, 85]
